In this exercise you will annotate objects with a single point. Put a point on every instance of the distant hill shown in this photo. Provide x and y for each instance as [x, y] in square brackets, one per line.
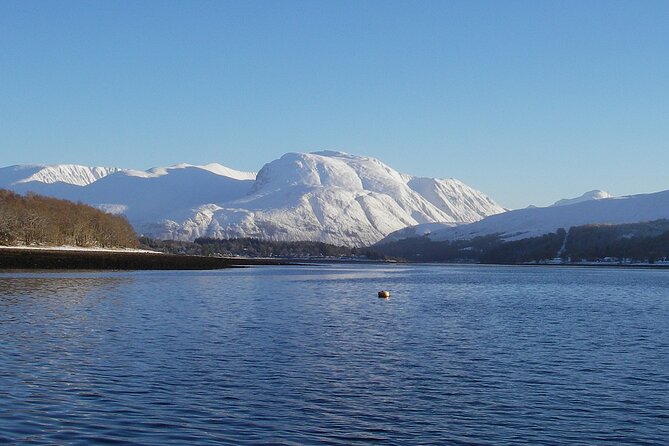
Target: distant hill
[37, 220]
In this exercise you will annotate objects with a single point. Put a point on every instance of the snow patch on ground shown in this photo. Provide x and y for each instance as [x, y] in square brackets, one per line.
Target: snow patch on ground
[79, 248]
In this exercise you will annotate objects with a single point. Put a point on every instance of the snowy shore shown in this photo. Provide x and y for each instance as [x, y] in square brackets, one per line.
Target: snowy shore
[80, 249]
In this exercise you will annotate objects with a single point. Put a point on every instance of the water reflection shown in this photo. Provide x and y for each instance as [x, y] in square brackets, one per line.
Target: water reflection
[16, 290]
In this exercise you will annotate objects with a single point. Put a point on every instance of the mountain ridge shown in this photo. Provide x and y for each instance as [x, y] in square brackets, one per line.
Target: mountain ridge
[536, 221]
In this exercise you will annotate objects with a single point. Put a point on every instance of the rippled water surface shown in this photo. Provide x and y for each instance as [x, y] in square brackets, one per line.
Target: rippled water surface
[310, 355]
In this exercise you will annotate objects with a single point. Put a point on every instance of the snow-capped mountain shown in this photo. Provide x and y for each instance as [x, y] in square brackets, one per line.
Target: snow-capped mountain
[591, 195]
[62, 173]
[324, 196]
[535, 221]
[335, 198]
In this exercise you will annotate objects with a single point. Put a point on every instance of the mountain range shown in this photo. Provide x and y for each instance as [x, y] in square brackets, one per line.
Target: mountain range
[326, 196]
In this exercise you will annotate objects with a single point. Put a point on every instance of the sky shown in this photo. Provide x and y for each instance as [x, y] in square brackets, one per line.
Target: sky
[528, 101]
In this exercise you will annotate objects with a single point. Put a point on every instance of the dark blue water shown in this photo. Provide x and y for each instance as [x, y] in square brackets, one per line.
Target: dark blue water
[289, 355]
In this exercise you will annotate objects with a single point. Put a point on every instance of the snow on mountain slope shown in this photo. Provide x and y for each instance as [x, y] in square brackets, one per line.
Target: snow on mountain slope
[456, 199]
[331, 197]
[214, 168]
[172, 195]
[592, 195]
[222, 170]
[531, 222]
[64, 173]
[324, 196]
[82, 175]
[429, 228]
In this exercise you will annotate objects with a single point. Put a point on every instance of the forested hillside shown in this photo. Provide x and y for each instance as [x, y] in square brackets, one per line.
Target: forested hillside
[36, 220]
[637, 242]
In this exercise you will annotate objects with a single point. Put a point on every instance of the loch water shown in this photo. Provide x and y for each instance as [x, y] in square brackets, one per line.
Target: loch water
[310, 355]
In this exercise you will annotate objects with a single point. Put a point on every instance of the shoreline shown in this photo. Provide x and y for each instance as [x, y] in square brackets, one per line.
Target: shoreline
[13, 258]
[558, 265]
[77, 258]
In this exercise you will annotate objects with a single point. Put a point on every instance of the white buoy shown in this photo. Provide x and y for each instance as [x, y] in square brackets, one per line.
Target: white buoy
[384, 294]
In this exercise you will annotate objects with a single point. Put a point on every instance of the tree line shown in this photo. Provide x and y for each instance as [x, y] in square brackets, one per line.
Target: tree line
[639, 242]
[37, 220]
[250, 247]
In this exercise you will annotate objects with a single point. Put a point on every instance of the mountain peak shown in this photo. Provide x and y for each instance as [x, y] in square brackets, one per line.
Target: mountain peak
[331, 153]
[307, 169]
[590, 195]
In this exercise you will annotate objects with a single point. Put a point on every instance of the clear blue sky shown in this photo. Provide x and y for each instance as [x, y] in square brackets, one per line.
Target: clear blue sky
[529, 101]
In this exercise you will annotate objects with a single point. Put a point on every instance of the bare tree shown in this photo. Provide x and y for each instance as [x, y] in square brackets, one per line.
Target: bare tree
[36, 219]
